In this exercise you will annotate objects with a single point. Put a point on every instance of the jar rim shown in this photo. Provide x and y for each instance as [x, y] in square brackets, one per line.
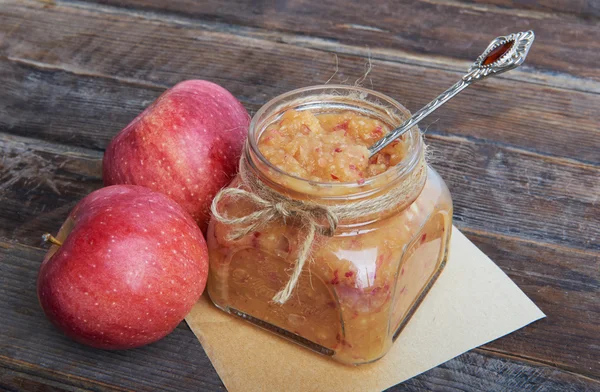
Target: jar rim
[394, 172]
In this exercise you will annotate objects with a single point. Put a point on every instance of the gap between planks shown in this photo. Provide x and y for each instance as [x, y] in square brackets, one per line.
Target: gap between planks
[41, 371]
[559, 81]
[525, 13]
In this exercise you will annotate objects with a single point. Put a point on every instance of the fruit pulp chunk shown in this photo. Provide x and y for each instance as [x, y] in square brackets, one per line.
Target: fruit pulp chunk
[329, 147]
[360, 286]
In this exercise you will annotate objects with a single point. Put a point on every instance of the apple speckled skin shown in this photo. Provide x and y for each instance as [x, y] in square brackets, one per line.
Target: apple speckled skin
[186, 145]
[131, 265]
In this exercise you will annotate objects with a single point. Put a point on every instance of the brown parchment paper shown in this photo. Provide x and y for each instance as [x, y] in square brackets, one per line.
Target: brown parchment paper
[472, 303]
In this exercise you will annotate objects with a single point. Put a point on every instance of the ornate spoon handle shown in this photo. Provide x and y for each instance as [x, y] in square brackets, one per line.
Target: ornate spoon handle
[502, 54]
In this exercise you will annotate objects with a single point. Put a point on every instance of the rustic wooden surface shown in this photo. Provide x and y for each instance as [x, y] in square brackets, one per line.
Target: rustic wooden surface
[520, 153]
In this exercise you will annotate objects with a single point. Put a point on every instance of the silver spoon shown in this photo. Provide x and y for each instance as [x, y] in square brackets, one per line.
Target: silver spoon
[502, 54]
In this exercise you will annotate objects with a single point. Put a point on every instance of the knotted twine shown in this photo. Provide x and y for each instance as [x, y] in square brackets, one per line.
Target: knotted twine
[315, 218]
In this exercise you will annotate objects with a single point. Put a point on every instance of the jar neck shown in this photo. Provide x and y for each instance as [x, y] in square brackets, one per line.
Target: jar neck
[338, 193]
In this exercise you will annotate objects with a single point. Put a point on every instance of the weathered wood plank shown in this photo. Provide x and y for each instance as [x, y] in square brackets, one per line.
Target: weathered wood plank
[449, 29]
[40, 183]
[566, 286]
[585, 9]
[28, 343]
[563, 281]
[498, 190]
[546, 120]
[63, 107]
[485, 373]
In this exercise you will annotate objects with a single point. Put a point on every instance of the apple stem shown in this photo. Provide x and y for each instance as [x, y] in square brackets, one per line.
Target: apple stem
[47, 237]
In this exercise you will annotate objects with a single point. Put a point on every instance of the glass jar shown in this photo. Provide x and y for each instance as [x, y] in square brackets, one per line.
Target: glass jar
[362, 285]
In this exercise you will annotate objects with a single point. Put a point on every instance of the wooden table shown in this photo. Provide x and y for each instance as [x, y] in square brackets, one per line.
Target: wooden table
[520, 153]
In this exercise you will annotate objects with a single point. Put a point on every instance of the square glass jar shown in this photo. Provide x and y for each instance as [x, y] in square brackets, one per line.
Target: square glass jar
[362, 285]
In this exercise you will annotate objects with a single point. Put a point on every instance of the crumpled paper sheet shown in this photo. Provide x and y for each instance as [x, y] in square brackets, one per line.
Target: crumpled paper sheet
[473, 302]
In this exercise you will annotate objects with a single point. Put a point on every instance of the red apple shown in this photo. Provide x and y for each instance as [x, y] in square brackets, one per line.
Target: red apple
[131, 265]
[186, 145]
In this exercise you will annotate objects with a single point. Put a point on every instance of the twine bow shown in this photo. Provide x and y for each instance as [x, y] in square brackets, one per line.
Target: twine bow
[268, 210]
[315, 218]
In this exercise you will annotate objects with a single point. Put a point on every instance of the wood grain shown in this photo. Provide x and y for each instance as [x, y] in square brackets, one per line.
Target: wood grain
[585, 9]
[447, 29]
[498, 190]
[536, 118]
[566, 286]
[480, 371]
[39, 184]
[29, 344]
[60, 106]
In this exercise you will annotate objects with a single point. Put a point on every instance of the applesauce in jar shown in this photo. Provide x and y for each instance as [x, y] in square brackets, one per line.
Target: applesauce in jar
[361, 285]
